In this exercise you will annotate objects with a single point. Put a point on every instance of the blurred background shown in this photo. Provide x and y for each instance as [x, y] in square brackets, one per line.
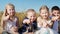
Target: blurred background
[22, 5]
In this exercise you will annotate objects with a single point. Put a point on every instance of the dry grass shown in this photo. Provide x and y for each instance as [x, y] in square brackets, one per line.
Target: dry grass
[20, 15]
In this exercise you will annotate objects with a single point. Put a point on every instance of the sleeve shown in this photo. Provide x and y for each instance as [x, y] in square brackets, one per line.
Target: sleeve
[35, 25]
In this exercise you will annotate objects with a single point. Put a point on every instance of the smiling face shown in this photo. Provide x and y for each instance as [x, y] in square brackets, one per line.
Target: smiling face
[31, 15]
[44, 13]
[10, 10]
[55, 13]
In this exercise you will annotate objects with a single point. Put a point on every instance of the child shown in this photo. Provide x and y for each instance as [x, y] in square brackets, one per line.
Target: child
[9, 21]
[55, 17]
[29, 23]
[43, 21]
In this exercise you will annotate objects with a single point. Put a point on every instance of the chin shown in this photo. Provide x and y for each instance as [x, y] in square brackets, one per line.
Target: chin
[45, 17]
[12, 14]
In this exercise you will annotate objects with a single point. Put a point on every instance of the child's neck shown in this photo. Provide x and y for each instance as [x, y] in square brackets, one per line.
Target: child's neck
[11, 18]
[45, 19]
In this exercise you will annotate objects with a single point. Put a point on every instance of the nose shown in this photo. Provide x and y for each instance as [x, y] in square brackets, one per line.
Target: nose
[32, 17]
[44, 14]
[12, 10]
[57, 14]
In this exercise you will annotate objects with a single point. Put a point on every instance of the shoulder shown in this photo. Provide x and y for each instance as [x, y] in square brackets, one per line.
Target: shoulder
[16, 18]
[50, 17]
[39, 19]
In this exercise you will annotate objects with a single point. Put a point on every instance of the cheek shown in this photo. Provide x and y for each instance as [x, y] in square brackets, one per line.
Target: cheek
[29, 17]
[44, 15]
[13, 10]
[54, 13]
[33, 18]
[47, 14]
[8, 12]
[41, 15]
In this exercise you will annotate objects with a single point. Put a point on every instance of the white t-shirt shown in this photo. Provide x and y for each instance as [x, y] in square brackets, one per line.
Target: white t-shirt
[10, 24]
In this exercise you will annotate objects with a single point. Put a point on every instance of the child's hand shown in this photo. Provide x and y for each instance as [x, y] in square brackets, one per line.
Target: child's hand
[45, 24]
[14, 29]
[26, 21]
[55, 18]
[15, 33]
[6, 17]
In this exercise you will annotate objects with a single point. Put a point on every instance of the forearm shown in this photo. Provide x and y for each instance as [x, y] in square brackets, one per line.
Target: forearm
[50, 25]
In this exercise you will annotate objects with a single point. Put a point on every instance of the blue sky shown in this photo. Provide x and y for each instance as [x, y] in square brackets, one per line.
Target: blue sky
[22, 5]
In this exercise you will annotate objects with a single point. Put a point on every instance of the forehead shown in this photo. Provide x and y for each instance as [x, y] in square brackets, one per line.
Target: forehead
[43, 10]
[55, 10]
[10, 7]
[31, 13]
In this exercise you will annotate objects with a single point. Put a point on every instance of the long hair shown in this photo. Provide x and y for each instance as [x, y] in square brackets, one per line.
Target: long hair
[44, 7]
[5, 14]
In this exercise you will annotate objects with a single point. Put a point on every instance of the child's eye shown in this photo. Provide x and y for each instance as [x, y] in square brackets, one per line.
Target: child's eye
[12, 9]
[33, 16]
[9, 9]
[43, 13]
[58, 15]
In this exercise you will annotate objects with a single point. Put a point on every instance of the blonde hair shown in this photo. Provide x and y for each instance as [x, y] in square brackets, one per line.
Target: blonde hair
[5, 13]
[44, 7]
[10, 5]
[30, 10]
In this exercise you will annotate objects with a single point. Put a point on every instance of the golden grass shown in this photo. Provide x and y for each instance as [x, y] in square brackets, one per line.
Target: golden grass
[20, 15]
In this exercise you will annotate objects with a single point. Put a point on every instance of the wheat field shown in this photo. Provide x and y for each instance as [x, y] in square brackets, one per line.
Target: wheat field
[20, 15]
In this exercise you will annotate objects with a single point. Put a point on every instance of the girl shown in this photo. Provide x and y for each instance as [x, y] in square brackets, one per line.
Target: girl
[9, 21]
[43, 21]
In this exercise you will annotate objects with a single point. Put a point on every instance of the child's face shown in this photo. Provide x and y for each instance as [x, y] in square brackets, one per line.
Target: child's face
[55, 13]
[10, 10]
[44, 13]
[31, 16]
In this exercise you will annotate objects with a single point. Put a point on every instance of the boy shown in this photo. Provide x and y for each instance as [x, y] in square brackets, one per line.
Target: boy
[55, 17]
[29, 23]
